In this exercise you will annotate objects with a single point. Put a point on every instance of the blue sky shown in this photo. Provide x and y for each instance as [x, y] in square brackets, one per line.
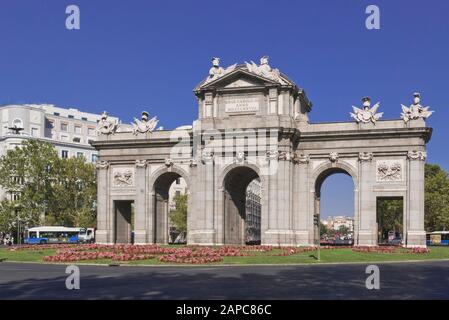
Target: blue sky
[134, 55]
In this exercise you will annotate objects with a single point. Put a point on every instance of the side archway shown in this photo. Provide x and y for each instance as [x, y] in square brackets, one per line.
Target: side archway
[341, 229]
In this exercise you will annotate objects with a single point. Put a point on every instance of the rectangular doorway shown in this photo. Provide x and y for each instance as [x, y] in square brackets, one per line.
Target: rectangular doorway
[124, 221]
[390, 220]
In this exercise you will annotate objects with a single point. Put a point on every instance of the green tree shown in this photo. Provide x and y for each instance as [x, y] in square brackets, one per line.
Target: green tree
[344, 230]
[75, 192]
[323, 229]
[179, 216]
[390, 216]
[50, 190]
[436, 198]
[26, 174]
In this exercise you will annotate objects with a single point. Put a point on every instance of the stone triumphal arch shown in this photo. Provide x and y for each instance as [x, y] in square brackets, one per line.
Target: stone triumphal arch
[253, 123]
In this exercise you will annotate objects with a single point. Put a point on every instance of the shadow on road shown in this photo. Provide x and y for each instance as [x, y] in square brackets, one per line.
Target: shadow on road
[398, 281]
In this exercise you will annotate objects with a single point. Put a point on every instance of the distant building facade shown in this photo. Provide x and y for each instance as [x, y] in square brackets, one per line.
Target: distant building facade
[253, 211]
[334, 223]
[70, 131]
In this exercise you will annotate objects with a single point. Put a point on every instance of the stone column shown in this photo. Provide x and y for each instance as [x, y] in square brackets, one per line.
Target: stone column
[273, 101]
[140, 230]
[365, 222]
[104, 213]
[415, 233]
[301, 194]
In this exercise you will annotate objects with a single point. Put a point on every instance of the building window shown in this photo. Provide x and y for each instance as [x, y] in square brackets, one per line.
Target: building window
[56, 114]
[91, 131]
[78, 129]
[94, 158]
[79, 154]
[71, 117]
[50, 124]
[34, 132]
[77, 139]
[64, 127]
[64, 154]
[178, 181]
[84, 118]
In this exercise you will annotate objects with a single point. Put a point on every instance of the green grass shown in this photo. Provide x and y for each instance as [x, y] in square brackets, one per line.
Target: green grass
[327, 256]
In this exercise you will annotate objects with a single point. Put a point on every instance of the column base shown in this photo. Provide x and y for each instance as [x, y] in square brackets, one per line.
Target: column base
[103, 237]
[416, 239]
[284, 238]
[367, 238]
[204, 237]
[140, 237]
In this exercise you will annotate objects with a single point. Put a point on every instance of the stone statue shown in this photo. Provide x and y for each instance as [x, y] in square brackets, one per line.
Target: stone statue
[264, 70]
[416, 110]
[144, 125]
[216, 71]
[105, 126]
[368, 113]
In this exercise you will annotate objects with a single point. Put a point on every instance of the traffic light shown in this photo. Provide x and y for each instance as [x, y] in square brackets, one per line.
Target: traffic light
[316, 219]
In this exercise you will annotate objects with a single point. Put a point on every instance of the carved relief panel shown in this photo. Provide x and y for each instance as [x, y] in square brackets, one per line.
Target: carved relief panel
[123, 177]
[390, 170]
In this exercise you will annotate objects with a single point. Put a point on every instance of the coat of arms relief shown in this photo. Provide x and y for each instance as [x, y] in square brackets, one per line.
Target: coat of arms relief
[390, 170]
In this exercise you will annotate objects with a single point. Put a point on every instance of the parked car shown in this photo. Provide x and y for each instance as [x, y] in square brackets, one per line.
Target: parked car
[396, 242]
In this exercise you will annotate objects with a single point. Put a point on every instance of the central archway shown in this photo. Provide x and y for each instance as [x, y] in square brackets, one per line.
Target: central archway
[336, 225]
[241, 214]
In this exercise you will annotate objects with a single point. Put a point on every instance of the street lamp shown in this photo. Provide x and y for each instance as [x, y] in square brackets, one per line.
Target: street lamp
[316, 222]
[17, 210]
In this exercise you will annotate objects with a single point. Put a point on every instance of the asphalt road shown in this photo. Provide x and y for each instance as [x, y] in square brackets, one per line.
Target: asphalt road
[422, 280]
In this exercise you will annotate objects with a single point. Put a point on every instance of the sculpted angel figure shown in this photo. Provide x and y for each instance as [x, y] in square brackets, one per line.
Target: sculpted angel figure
[105, 126]
[416, 110]
[368, 113]
[264, 69]
[144, 125]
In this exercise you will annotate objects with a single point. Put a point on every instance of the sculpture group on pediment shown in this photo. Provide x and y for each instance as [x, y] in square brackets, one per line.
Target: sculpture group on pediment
[106, 126]
[145, 124]
[367, 113]
[416, 110]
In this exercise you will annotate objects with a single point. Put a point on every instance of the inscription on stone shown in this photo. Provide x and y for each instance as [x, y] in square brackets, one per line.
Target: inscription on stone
[241, 104]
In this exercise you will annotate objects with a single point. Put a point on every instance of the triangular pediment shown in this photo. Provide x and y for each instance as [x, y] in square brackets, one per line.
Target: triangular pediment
[239, 78]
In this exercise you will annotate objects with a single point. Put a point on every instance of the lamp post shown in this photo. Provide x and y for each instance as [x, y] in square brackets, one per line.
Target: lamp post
[316, 222]
[17, 210]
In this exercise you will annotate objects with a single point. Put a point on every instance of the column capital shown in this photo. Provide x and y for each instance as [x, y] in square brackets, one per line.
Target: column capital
[301, 158]
[417, 155]
[102, 165]
[365, 156]
[141, 163]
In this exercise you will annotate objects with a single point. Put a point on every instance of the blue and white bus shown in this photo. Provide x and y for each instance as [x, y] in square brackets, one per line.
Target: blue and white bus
[44, 235]
[438, 238]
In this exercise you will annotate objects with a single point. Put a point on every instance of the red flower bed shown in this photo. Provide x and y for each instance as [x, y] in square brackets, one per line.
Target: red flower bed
[390, 249]
[190, 254]
[205, 255]
[418, 250]
[375, 249]
[68, 256]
